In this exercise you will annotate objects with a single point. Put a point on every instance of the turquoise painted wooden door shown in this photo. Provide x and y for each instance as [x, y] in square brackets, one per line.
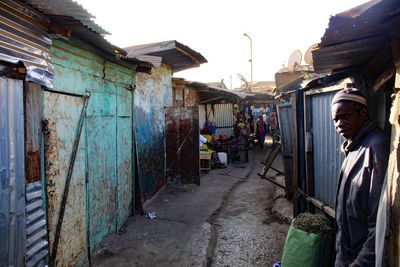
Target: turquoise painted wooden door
[110, 176]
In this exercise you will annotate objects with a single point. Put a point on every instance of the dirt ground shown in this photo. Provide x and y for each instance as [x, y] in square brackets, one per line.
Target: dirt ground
[227, 221]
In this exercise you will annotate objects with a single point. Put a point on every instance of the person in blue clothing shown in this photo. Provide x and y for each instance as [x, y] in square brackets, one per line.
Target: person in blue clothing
[366, 149]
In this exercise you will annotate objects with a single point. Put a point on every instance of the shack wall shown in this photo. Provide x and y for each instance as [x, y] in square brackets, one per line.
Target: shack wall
[191, 97]
[327, 156]
[100, 195]
[12, 173]
[153, 93]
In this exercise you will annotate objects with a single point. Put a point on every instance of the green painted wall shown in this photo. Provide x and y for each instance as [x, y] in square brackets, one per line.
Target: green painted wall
[101, 194]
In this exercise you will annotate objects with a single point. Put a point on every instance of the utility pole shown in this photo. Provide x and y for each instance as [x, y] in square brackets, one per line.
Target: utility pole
[251, 58]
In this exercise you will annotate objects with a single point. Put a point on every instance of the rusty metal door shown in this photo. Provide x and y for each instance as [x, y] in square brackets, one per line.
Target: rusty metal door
[182, 145]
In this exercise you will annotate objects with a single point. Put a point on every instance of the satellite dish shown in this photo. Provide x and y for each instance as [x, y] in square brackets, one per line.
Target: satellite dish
[294, 60]
[242, 78]
[308, 55]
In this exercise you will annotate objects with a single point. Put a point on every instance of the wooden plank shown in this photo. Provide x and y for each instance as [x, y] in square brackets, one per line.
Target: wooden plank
[270, 159]
[295, 151]
[309, 153]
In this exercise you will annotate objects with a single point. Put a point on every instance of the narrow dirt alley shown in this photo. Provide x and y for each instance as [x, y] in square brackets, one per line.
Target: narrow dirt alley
[227, 221]
[248, 233]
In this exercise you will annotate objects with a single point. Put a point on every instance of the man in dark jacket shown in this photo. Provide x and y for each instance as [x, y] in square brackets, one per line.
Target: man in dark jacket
[366, 149]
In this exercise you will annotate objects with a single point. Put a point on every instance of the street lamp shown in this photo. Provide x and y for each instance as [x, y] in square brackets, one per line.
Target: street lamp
[251, 58]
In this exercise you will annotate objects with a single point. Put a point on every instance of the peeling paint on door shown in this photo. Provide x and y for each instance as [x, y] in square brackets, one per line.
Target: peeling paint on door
[100, 196]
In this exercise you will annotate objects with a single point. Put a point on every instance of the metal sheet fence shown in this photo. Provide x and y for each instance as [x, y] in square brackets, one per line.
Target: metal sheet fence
[223, 117]
[327, 157]
[12, 169]
[285, 116]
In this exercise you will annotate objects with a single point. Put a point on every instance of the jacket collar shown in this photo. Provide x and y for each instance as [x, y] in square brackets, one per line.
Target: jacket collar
[350, 144]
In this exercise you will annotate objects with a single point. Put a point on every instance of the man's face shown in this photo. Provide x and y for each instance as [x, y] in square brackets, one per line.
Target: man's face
[347, 119]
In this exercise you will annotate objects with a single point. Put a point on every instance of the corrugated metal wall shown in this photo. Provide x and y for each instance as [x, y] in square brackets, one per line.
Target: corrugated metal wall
[12, 174]
[153, 93]
[223, 118]
[24, 38]
[285, 116]
[327, 157]
[101, 192]
[36, 228]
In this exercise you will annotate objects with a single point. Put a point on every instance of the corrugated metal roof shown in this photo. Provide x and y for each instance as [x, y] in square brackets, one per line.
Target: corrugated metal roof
[354, 37]
[67, 8]
[227, 91]
[68, 14]
[173, 53]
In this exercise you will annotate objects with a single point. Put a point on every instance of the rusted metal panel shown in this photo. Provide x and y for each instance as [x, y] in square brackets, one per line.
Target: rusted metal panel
[61, 115]
[358, 22]
[12, 174]
[36, 229]
[23, 37]
[182, 145]
[153, 93]
[348, 54]
[33, 126]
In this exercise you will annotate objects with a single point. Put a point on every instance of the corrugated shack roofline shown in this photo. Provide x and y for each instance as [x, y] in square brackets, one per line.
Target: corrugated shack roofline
[334, 81]
[68, 17]
[210, 93]
[176, 55]
[357, 36]
[213, 94]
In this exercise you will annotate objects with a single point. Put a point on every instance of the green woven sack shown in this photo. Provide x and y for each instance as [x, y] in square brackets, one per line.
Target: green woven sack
[306, 249]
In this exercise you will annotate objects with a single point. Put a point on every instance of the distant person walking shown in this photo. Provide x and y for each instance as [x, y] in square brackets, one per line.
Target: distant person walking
[261, 131]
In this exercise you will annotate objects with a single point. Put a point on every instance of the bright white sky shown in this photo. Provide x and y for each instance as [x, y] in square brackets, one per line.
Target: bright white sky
[215, 29]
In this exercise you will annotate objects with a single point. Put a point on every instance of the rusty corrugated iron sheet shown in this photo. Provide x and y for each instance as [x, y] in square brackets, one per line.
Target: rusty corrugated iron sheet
[33, 133]
[12, 174]
[356, 36]
[177, 55]
[360, 22]
[348, 54]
